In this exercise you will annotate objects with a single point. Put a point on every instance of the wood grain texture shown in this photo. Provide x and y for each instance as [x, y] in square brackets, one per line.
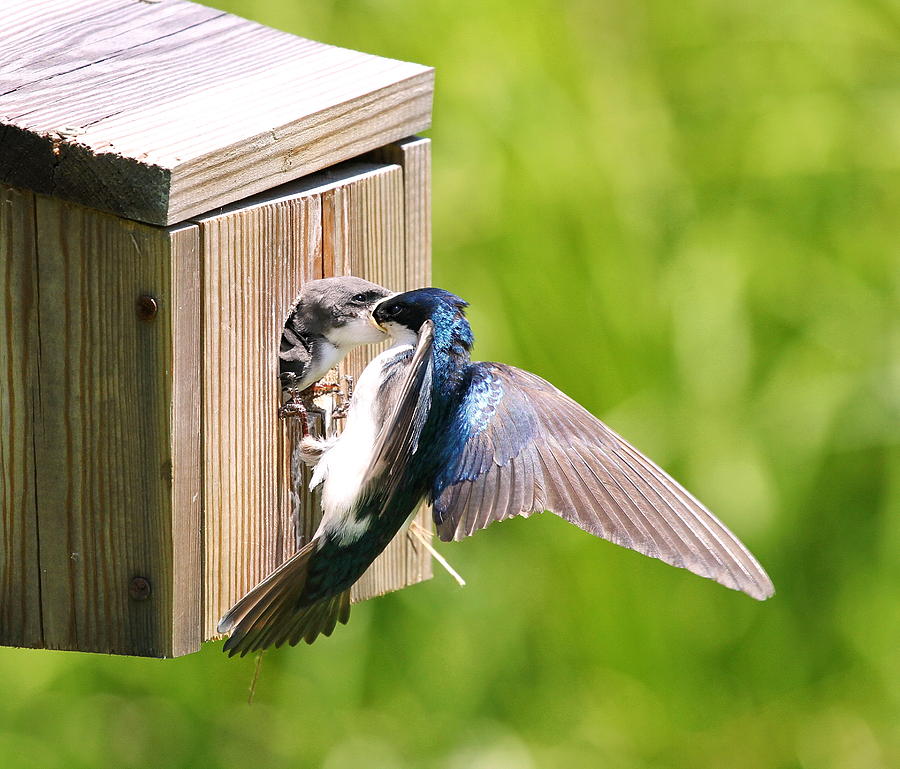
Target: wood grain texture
[185, 440]
[106, 427]
[374, 246]
[406, 561]
[20, 598]
[413, 155]
[256, 256]
[255, 259]
[100, 103]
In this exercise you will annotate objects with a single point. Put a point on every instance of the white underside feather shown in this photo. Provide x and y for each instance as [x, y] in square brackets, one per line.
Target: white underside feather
[343, 465]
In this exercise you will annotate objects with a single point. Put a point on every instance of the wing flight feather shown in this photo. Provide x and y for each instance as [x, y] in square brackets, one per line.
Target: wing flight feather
[531, 448]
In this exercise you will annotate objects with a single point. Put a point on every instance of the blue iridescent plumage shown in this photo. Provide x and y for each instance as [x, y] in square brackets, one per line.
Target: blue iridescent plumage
[481, 442]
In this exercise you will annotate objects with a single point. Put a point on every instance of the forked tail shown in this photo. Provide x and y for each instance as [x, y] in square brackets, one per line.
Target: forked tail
[271, 614]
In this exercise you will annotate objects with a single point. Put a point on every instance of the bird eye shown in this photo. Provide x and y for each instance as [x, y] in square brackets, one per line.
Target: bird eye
[359, 298]
[393, 310]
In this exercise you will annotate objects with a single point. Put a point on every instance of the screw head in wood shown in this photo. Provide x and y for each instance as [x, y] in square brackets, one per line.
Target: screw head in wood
[139, 589]
[147, 307]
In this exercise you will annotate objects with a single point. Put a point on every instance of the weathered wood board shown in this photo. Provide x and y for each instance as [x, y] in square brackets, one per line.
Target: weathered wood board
[376, 249]
[112, 436]
[257, 254]
[145, 479]
[413, 155]
[20, 593]
[100, 103]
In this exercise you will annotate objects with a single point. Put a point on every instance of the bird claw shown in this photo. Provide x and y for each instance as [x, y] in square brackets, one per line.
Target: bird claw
[329, 388]
[300, 403]
[344, 396]
[294, 409]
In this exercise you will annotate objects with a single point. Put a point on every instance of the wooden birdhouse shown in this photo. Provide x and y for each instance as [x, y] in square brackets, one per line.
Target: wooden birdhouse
[170, 175]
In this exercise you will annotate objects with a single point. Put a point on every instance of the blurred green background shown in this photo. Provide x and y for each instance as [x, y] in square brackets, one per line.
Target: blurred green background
[684, 215]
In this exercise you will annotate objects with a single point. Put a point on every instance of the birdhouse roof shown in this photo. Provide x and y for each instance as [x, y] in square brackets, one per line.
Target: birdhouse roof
[158, 110]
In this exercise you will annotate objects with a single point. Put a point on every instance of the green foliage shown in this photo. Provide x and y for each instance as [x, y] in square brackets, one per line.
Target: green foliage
[684, 215]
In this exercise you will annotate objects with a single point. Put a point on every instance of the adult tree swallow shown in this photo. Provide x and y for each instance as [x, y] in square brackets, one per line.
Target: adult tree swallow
[481, 442]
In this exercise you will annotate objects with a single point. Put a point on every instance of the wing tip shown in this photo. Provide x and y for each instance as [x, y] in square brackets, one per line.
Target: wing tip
[762, 591]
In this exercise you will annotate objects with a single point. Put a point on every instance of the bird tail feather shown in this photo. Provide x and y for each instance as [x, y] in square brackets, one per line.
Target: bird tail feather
[269, 614]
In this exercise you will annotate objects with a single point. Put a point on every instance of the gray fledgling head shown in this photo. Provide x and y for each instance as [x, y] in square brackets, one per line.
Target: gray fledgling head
[328, 319]
[338, 309]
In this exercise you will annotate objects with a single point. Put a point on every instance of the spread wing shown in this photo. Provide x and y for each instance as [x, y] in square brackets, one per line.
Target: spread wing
[532, 448]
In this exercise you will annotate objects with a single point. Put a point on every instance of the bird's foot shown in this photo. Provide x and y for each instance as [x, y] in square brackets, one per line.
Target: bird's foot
[295, 408]
[344, 395]
[327, 388]
[301, 403]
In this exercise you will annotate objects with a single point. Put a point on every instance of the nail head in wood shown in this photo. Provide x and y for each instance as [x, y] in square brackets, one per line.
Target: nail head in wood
[147, 307]
[139, 589]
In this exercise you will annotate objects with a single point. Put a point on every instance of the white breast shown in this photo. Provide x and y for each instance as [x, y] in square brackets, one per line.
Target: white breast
[327, 356]
[342, 467]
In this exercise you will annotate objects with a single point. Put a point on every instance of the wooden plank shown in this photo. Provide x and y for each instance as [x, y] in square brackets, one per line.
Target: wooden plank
[375, 248]
[31, 26]
[413, 155]
[48, 40]
[374, 242]
[20, 600]
[115, 93]
[187, 500]
[254, 263]
[300, 146]
[335, 226]
[105, 464]
[406, 561]
[256, 255]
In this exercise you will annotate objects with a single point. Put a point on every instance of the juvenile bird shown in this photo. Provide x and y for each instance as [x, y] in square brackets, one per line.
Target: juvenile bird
[328, 319]
[482, 442]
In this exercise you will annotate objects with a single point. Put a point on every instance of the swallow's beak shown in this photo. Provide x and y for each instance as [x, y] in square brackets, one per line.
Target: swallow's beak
[372, 318]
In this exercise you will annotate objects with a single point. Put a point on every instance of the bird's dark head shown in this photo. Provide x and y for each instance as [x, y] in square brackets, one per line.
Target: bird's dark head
[405, 313]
